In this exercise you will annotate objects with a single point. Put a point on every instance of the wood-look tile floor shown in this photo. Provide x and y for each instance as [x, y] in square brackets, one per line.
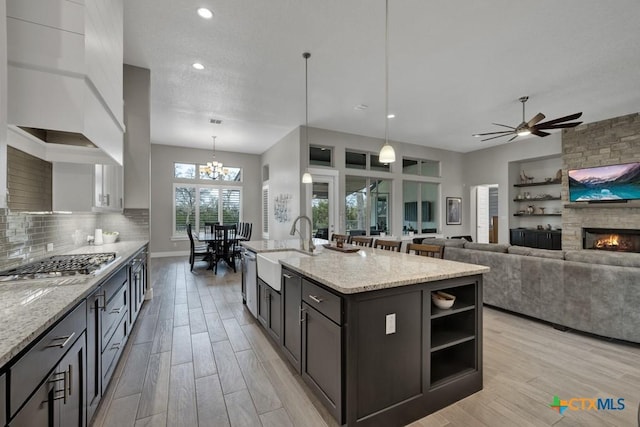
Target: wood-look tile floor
[197, 358]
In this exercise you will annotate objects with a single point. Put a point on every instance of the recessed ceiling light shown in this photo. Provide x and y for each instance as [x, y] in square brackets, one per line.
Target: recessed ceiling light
[391, 116]
[198, 66]
[361, 107]
[205, 13]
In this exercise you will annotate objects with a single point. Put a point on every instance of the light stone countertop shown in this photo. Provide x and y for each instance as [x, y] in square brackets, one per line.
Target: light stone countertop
[368, 269]
[29, 307]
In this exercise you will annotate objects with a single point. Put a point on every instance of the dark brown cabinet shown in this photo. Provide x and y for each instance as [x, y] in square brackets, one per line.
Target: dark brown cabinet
[95, 305]
[269, 309]
[541, 239]
[137, 284]
[322, 358]
[3, 400]
[291, 315]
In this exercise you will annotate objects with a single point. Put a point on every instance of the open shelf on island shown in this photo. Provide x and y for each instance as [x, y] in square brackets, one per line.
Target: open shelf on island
[457, 308]
[452, 363]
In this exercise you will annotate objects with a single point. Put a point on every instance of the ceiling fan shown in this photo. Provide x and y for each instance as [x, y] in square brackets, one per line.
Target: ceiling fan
[533, 126]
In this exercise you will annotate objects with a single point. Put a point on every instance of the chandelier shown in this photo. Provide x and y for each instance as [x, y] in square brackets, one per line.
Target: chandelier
[214, 168]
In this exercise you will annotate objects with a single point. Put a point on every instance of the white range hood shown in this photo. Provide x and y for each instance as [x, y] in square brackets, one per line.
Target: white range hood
[65, 70]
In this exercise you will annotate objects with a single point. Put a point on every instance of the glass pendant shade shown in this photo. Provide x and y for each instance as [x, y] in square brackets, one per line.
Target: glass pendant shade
[387, 154]
[306, 178]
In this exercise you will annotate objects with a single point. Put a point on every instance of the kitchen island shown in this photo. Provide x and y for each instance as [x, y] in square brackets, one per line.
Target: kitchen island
[363, 333]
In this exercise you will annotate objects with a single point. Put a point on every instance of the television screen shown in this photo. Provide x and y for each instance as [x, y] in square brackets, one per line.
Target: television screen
[605, 183]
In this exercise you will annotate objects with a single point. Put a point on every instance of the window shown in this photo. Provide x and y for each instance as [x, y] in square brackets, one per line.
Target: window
[367, 205]
[420, 167]
[420, 207]
[320, 156]
[370, 161]
[188, 171]
[198, 204]
[184, 170]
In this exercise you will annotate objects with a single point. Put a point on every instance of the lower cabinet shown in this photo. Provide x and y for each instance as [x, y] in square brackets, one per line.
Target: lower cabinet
[322, 358]
[59, 398]
[95, 305]
[137, 284]
[291, 315]
[3, 400]
[541, 239]
[269, 309]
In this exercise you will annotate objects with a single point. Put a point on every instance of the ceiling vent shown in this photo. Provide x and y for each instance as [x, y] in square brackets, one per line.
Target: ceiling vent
[215, 121]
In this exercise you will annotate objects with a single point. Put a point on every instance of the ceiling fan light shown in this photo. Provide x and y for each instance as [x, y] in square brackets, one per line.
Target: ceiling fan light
[306, 178]
[524, 132]
[387, 154]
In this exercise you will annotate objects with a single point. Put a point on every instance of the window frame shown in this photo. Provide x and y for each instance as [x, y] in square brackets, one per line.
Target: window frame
[419, 165]
[175, 235]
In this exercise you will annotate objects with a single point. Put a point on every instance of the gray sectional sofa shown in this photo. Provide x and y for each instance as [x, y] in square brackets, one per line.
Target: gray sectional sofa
[591, 291]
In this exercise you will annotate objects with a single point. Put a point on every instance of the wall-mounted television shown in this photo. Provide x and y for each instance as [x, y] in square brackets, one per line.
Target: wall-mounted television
[605, 183]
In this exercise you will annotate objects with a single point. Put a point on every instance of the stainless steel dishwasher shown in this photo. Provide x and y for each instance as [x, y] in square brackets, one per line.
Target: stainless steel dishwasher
[249, 281]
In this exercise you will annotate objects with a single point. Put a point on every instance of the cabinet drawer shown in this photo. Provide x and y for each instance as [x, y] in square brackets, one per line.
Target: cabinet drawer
[322, 300]
[114, 311]
[29, 371]
[112, 286]
[112, 351]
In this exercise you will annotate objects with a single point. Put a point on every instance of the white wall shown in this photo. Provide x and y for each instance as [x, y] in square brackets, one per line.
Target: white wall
[285, 178]
[491, 166]
[161, 212]
[3, 104]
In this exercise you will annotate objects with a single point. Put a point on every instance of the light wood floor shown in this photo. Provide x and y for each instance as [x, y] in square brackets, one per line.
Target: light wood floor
[196, 357]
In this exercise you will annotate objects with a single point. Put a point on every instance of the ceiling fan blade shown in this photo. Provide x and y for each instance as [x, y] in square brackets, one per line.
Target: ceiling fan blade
[557, 126]
[515, 136]
[494, 137]
[539, 133]
[493, 133]
[537, 118]
[498, 124]
[561, 119]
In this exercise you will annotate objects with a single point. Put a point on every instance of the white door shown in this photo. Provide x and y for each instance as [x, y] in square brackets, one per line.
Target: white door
[322, 202]
[482, 214]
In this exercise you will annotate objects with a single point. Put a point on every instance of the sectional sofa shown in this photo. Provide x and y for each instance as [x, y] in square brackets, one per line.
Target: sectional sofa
[586, 290]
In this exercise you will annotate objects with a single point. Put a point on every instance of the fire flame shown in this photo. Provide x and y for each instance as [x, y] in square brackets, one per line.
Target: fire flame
[608, 242]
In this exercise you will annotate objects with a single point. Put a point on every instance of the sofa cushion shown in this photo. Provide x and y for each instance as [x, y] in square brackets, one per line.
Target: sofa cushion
[457, 243]
[490, 247]
[541, 253]
[620, 259]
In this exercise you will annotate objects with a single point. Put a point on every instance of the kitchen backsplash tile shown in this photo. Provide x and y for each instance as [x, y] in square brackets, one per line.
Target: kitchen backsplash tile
[24, 236]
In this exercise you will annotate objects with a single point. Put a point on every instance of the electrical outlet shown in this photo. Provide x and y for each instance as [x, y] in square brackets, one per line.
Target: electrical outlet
[49, 247]
[391, 324]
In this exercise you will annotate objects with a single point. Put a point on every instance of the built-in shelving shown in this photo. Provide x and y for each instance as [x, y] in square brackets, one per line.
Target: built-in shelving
[536, 184]
[537, 214]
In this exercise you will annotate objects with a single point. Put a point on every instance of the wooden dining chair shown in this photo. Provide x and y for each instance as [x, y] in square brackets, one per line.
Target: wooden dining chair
[362, 241]
[388, 245]
[195, 251]
[345, 238]
[225, 246]
[433, 251]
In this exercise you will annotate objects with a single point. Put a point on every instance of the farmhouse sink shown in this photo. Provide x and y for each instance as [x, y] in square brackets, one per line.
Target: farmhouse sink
[269, 268]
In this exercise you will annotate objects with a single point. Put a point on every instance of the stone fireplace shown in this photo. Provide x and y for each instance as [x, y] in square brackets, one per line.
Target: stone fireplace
[611, 239]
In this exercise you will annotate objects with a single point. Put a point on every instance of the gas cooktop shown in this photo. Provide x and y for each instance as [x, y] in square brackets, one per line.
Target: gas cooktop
[60, 265]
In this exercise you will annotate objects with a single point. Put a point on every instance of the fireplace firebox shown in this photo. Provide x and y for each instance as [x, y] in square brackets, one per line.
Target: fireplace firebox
[611, 239]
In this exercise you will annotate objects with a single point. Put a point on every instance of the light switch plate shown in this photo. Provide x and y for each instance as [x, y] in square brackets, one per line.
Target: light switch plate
[391, 324]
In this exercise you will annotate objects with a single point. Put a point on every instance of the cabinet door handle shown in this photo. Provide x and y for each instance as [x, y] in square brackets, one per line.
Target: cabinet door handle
[315, 299]
[288, 276]
[70, 379]
[116, 346]
[117, 310]
[103, 295]
[66, 386]
[66, 341]
[302, 310]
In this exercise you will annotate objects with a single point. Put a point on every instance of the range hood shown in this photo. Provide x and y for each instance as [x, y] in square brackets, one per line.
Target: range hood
[65, 72]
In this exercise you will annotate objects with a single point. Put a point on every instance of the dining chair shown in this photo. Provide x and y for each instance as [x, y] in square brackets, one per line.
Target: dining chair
[362, 241]
[433, 251]
[195, 251]
[225, 246]
[345, 238]
[388, 245]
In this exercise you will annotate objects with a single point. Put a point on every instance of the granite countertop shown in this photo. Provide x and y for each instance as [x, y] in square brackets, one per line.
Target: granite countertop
[366, 270]
[29, 307]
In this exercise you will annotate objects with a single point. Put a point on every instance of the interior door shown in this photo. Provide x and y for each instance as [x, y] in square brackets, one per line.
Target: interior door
[322, 203]
[482, 214]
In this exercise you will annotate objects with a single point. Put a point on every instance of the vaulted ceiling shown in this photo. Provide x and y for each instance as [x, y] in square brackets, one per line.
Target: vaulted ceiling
[454, 67]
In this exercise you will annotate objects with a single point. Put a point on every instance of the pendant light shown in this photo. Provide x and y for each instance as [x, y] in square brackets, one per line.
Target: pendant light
[306, 177]
[387, 153]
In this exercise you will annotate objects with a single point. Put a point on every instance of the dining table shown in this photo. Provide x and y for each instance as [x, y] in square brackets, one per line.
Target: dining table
[215, 241]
